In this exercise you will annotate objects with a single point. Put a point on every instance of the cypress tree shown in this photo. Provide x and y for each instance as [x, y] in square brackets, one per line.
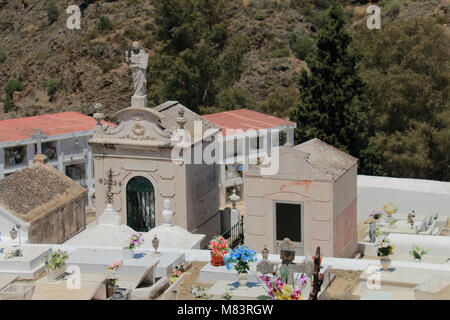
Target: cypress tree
[330, 107]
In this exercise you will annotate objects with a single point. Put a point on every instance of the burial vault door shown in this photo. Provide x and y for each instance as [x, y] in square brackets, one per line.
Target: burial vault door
[140, 204]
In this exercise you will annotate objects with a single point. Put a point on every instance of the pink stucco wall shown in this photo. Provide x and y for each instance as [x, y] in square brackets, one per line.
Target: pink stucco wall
[260, 196]
[345, 231]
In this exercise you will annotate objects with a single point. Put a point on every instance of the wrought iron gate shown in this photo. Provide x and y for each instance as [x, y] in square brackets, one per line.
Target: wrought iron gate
[235, 234]
[140, 204]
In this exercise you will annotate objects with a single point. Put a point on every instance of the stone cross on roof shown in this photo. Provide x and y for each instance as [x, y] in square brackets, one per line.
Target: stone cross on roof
[39, 137]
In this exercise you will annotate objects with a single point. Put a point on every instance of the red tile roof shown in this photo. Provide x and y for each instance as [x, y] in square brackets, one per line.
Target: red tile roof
[50, 125]
[244, 119]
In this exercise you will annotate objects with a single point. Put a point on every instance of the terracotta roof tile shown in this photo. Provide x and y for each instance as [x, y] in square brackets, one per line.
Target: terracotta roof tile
[50, 125]
[244, 119]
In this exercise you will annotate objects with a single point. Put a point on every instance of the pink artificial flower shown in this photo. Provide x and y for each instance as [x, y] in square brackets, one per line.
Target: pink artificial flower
[279, 284]
[303, 280]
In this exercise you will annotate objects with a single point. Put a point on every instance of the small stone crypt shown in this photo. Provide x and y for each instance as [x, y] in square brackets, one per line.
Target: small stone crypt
[310, 200]
[44, 204]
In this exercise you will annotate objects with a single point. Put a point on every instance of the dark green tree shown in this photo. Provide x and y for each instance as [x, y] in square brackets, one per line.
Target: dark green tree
[197, 58]
[11, 86]
[405, 66]
[104, 23]
[2, 56]
[52, 11]
[330, 107]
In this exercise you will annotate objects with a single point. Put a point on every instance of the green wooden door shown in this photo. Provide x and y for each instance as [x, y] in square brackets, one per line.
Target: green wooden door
[140, 204]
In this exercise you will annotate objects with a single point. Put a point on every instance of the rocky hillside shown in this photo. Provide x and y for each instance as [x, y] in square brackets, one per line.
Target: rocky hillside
[88, 64]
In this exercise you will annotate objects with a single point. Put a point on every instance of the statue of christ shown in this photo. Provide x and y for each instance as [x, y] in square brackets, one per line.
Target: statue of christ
[138, 65]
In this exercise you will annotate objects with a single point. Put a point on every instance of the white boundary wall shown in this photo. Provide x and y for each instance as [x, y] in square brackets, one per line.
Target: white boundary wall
[205, 255]
[423, 196]
[437, 246]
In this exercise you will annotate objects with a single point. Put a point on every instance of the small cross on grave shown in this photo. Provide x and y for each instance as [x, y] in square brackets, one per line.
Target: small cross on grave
[287, 256]
[317, 276]
[110, 183]
[39, 137]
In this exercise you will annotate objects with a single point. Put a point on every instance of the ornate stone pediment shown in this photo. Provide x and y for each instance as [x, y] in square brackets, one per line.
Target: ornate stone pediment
[140, 126]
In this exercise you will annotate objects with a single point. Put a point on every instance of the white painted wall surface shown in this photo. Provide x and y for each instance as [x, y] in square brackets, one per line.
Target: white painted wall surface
[423, 196]
[437, 246]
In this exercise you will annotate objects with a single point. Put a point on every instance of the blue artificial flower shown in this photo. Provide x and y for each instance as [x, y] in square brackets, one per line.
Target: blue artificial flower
[228, 266]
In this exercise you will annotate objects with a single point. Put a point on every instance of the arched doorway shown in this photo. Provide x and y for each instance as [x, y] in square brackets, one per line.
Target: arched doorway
[140, 204]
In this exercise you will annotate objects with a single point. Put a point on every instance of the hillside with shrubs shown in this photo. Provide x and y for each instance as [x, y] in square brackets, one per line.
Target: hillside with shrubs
[216, 55]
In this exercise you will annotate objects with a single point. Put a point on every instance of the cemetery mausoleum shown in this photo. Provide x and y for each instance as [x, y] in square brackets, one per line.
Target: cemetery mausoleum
[311, 200]
[137, 154]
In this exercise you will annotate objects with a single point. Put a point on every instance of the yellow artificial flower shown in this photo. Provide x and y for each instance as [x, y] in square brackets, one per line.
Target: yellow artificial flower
[288, 290]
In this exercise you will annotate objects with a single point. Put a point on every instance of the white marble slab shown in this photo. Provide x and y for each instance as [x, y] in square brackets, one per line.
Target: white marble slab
[237, 293]
[376, 295]
[404, 277]
[28, 266]
[94, 261]
[211, 274]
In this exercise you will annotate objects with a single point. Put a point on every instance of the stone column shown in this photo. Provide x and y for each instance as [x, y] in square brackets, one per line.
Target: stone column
[268, 141]
[221, 160]
[89, 174]
[2, 163]
[60, 153]
[262, 143]
[223, 192]
[246, 153]
[30, 153]
[290, 135]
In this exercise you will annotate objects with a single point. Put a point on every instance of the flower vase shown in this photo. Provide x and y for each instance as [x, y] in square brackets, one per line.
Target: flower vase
[52, 275]
[385, 262]
[216, 260]
[417, 259]
[128, 254]
[243, 281]
[391, 223]
[110, 289]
